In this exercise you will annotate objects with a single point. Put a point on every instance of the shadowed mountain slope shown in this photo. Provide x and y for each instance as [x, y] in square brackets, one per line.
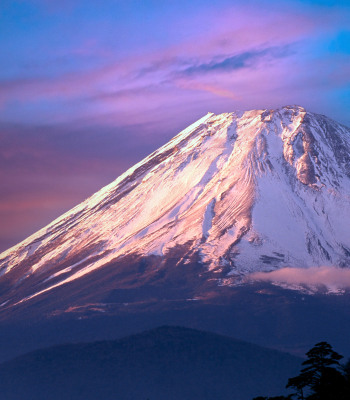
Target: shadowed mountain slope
[165, 363]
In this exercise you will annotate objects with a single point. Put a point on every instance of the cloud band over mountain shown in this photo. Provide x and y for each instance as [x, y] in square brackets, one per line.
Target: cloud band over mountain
[330, 277]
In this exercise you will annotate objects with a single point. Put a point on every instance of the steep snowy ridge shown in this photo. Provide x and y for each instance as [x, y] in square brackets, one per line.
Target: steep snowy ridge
[251, 191]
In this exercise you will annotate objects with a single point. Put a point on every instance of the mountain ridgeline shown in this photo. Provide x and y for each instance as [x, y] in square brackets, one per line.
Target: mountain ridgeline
[165, 363]
[232, 194]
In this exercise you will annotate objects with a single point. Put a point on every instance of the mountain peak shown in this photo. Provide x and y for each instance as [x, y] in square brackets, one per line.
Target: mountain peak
[237, 192]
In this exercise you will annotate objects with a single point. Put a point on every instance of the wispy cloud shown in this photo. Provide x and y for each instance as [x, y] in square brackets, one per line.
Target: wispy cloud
[238, 61]
[331, 277]
[210, 88]
[236, 40]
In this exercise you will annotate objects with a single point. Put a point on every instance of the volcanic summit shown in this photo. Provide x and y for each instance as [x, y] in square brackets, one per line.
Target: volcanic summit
[232, 194]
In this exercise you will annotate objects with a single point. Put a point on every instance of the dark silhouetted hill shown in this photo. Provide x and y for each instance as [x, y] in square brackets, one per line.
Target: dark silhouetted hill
[169, 363]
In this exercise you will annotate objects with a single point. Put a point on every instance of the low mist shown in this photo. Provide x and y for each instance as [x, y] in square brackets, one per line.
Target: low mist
[331, 277]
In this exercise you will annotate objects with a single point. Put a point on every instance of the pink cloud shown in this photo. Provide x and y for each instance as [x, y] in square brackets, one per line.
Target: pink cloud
[229, 33]
[331, 277]
[214, 89]
[116, 92]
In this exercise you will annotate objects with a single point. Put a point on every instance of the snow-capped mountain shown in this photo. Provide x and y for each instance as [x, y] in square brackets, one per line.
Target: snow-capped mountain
[235, 193]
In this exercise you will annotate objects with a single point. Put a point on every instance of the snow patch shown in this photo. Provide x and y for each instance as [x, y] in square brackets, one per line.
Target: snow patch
[253, 191]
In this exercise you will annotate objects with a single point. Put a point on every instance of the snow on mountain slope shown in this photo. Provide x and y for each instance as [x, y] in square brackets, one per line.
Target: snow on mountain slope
[247, 191]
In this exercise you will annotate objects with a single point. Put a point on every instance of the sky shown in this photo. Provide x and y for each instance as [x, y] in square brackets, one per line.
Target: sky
[89, 88]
